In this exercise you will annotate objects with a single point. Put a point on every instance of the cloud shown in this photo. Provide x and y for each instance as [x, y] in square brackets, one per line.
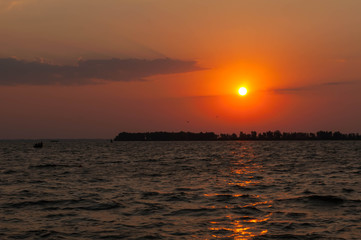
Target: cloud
[10, 4]
[312, 87]
[20, 72]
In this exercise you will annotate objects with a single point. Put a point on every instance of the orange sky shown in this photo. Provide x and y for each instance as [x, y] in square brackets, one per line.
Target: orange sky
[67, 68]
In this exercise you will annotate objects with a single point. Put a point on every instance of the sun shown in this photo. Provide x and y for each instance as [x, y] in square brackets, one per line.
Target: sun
[242, 91]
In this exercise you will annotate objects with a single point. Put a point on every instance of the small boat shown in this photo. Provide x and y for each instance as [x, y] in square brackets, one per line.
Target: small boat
[38, 145]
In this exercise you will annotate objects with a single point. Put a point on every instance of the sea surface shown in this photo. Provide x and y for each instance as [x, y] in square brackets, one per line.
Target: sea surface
[180, 190]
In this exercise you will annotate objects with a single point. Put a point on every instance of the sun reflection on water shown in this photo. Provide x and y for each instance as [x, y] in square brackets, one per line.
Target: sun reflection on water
[247, 212]
[238, 229]
[243, 228]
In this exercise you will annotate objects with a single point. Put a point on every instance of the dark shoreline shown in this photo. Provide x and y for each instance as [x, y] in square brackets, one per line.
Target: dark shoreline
[253, 136]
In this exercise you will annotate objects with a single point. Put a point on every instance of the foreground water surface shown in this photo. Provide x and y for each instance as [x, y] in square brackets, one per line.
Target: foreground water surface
[180, 190]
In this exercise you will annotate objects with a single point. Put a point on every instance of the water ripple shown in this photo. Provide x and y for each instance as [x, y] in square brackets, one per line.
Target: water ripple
[180, 190]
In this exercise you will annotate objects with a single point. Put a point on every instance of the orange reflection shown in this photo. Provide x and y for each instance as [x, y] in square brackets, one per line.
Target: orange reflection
[216, 194]
[242, 172]
[244, 183]
[238, 230]
[257, 203]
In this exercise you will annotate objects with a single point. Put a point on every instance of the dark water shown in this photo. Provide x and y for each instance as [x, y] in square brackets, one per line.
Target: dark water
[180, 190]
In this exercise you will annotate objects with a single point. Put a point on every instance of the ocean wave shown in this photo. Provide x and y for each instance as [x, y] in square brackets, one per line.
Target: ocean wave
[186, 191]
[40, 203]
[194, 212]
[322, 200]
[51, 165]
[247, 211]
[65, 204]
[295, 237]
[101, 206]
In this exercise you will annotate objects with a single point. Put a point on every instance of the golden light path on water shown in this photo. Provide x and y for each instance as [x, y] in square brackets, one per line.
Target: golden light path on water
[241, 227]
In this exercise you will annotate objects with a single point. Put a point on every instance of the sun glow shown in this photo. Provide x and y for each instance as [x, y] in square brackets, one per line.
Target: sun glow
[242, 91]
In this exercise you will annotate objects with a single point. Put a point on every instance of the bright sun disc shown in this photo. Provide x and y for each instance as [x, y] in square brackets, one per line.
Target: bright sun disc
[242, 91]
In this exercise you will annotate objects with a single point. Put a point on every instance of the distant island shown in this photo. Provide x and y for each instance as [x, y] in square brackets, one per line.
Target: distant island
[253, 136]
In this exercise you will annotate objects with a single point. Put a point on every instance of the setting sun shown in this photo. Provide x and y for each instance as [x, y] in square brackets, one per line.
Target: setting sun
[242, 91]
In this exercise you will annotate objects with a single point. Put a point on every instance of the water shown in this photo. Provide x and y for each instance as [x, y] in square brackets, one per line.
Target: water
[180, 190]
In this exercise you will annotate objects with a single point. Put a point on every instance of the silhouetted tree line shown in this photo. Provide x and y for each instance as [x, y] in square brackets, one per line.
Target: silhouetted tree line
[253, 136]
[320, 135]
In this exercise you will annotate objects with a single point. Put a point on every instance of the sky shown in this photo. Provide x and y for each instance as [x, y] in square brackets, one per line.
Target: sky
[94, 68]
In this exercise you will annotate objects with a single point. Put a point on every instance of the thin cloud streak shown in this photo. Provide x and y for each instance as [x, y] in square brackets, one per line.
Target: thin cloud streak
[20, 72]
[7, 5]
[312, 87]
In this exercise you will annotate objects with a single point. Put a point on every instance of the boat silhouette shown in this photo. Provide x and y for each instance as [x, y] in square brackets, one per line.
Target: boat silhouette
[38, 145]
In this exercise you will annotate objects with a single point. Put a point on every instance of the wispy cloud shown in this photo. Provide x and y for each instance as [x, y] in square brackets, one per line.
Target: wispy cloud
[312, 87]
[7, 5]
[20, 72]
